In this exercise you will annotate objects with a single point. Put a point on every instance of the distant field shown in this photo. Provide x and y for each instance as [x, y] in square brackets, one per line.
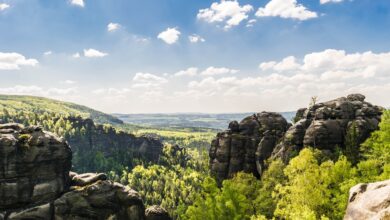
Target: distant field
[194, 120]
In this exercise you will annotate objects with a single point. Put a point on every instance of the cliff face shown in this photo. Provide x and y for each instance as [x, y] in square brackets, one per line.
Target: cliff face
[246, 145]
[325, 126]
[369, 201]
[35, 182]
[122, 147]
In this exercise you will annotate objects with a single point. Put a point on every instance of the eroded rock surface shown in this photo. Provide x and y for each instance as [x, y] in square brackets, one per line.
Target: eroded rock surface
[246, 145]
[369, 202]
[325, 125]
[34, 166]
[35, 182]
[157, 213]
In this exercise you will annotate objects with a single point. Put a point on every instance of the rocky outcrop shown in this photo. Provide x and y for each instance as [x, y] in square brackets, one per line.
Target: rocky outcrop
[369, 201]
[35, 182]
[34, 166]
[246, 145]
[325, 125]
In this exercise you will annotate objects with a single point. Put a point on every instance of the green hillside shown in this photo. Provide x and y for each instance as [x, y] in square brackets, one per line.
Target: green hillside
[15, 104]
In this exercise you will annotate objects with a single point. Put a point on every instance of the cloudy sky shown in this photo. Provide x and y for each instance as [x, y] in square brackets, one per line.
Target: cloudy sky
[149, 56]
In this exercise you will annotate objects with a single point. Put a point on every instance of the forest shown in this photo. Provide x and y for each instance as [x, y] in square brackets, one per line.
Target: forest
[311, 186]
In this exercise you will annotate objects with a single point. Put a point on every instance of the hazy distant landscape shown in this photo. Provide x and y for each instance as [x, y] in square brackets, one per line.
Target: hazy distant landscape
[185, 120]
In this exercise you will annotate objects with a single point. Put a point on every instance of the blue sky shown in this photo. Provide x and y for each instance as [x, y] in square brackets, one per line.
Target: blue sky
[243, 55]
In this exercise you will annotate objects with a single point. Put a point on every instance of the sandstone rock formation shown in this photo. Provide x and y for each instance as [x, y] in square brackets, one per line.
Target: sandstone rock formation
[34, 166]
[369, 202]
[325, 125]
[99, 138]
[35, 182]
[246, 145]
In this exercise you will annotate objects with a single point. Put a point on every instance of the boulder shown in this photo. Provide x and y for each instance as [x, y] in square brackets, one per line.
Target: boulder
[369, 202]
[156, 213]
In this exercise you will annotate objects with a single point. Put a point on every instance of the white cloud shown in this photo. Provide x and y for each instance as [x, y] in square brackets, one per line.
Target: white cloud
[111, 27]
[211, 71]
[330, 1]
[169, 36]
[111, 91]
[79, 3]
[47, 53]
[192, 71]
[286, 9]
[288, 63]
[147, 80]
[251, 22]
[328, 74]
[76, 55]
[194, 38]
[13, 61]
[3, 6]
[229, 12]
[69, 82]
[38, 91]
[94, 53]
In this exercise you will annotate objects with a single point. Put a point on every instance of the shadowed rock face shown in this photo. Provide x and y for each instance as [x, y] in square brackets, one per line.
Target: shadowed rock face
[34, 166]
[35, 182]
[246, 145]
[324, 126]
[369, 201]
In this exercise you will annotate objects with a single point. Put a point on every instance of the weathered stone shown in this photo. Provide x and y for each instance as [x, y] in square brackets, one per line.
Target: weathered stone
[35, 182]
[156, 213]
[369, 201]
[246, 145]
[31, 172]
[325, 125]
[100, 200]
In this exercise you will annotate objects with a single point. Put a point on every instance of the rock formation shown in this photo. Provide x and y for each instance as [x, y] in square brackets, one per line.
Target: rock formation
[111, 142]
[246, 145]
[325, 125]
[369, 201]
[35, 182]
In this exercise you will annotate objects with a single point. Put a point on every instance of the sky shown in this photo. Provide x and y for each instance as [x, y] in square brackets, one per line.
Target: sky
[169, 56]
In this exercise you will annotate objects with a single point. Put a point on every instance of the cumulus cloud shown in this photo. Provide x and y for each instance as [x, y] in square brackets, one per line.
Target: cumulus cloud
[288, 63]
[211, 71]
[69, 82]
[93, 53]
[286, 9]
[229, 12]
[111, 27]
[192, 71]
[147, 80]
[79, 3]
[76, 55]
[13, 61]
[330, 1]
[3, 6]
[169, 36]
[327, 74]
[194, 38]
